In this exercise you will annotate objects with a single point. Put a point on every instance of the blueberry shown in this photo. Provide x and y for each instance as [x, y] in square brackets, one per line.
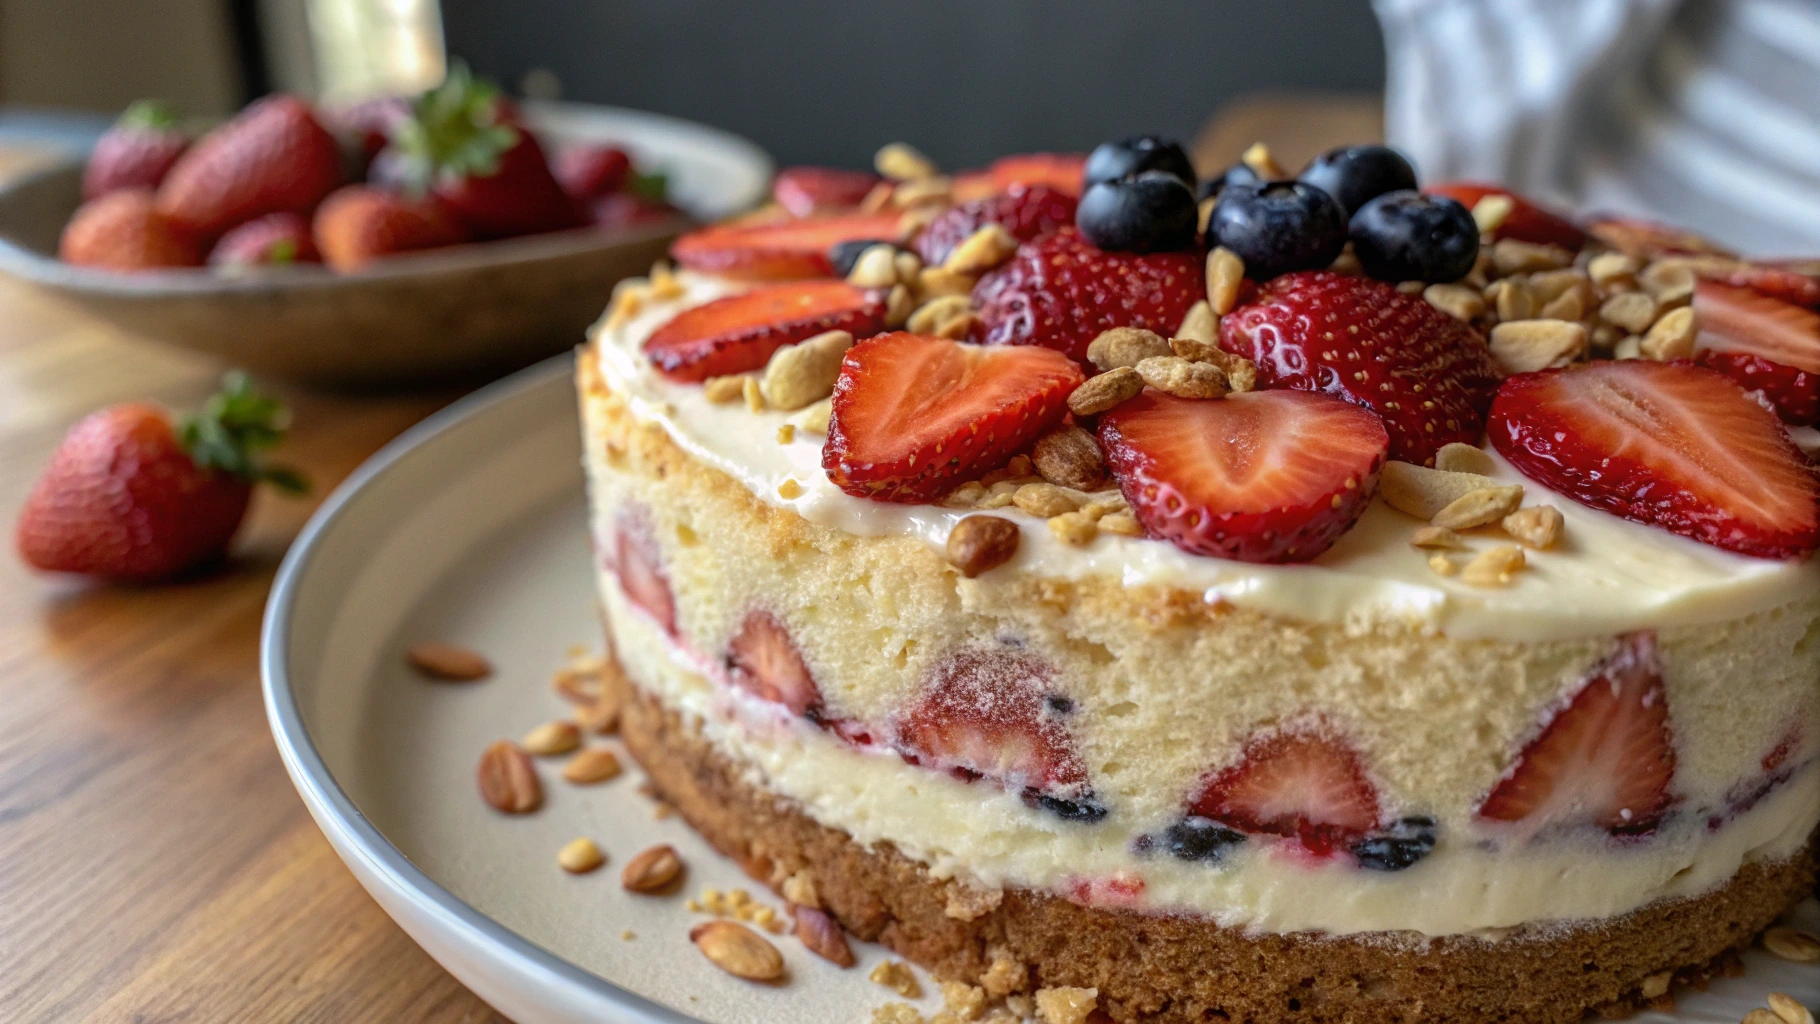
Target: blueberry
[1151, 212]
[1408, 236]
[1086, 809]
[844, 254]
[1397, 847]
[1200, 839]
[1110, 161]
[1356, 174]
[1278, 227]
[1237, 174]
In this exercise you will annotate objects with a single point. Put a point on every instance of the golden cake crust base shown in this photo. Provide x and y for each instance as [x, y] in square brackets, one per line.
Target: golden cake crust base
[1177, 970]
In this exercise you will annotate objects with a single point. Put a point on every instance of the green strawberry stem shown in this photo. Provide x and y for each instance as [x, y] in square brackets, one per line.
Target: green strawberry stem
[649, 185]
[233, 427]
[454, 131]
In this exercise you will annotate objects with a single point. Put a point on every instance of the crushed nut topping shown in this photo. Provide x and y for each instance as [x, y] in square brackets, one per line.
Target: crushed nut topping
[1456, 300]
[799, 889]
[979, 544]
[1422, 492]
[804, 373]
[1225, 273]
[896, 976]
[722, 390]
[1511, 256]
[875, 268]
[1097, 394]
[901, 162]
[1122, 523]
[1538, 527]
[981, 251]
[1463, 458]
[1069, 457]
[1524, 346]
[1065, 1005]
[929, 317]
[1671, 337]
[1125, 346]
[899, 304]
[1494, 567]
[1177, 376]
[815, 417]
[1200, 325]
[1437, 537]
[1044, 500]
[754, 394]
[1477, 508]
[1077, 528]
[580, 856]
[1490, 211]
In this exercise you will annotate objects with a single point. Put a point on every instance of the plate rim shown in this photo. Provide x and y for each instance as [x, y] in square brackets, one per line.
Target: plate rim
[324, 797]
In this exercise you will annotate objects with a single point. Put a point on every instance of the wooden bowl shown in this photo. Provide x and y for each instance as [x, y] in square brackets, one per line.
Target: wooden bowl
[463, 313]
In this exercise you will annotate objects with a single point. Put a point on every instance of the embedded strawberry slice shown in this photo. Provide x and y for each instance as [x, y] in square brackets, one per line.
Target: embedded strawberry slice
[764, 661]
[1648, 239]
[1264, 476]
[915, 416]
[1027, 212]
[1060, 291]
[1527, 222]
[1604, 760]
[805, 190]
[1672, 445]
[1428, 375]
[639, 565]
[1059, 171]
[739, 333]
[778, 250]
[1300, 784]
[992, 714]
[1763, 344]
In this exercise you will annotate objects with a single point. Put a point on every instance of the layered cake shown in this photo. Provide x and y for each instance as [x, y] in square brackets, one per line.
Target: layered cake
[1257, 598]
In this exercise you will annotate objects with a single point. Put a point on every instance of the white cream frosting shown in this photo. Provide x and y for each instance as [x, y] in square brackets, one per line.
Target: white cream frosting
[1608, 576]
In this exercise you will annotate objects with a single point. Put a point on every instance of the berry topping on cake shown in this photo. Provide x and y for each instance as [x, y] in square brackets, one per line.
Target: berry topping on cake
[1278, 227]
[1127, 158]
[764, 661]
[639, 566]
[1263, 476]
[990, 714]
[1027, 212]
[1413, 236]
[1604, 760]
[806, 190]
[739, 333]
[914, 416]
[1153, 211]
[1427, 374]
[1061, 292]
[1355, 175]
[1198, 839]
[1059, 171]
[1763, 344]
[1299, 784]
[1398, 847]
[1526, 222]
[1668, 444]
[779, 249]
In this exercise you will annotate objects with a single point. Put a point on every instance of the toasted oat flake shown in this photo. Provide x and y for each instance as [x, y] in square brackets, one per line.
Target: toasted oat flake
[552, 738]
[1102, 392]
[596, 764]
[1125, 346]
[896, 976]
[1792, 944]
[580, 856]
[1538, 526]
[1789, 1009]
[1494, 567]
[1122, 523]
[1064, 1005]
[1225, 273]
[1477, 508]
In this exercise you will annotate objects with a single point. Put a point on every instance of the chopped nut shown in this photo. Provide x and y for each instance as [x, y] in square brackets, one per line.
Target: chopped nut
[652, 870]
[1671, 337]
[664, 285]
[1347, 262]
[1422, 492]
[962, 1002]
[894, 975]
[1069, 457]
[1611, 270]
[981, 251]
[1456, 300]
[786, 433]
[1122, 523]
[1257, 157]
[1494, 567]
[1538, 527]
[934, 190]
[1442, 565]
[449, 663]
[822, 935]
[966, 495]
[799, 889]
[596, 764]
[600, 717]
[1177, 376]
[900, 162]
[917, 217]
[508, 780]
[1523, 346]
[1792, 944]
[815, 417]
[1463, 458]
[1633, 311]
[938, 311]
[1077, 528]
[1788, 1009]
[1412, 287]
[580, 856]
[1064, 1005]
[899, 304]
[1569, 305]
[1200, 326]
[896, 1013]
[789, 490]
[804, 373]
[980, 544]
[875, 268]
[935, 282]
[738, 950]
[1004, 977]
[552, 738]
[1125, 346]
[1656, 984]
[1491, 210]
[1762, 1016]
[721, 390]
[1628, 347]
[755, 395]
[1669, 282]
[1437, 537]
[1476, 508]
[1513, 298]
[878, 198]
[969, 903]
[1225, 273]
[1103, 392]
[1511, 256]
[959, 327]
[1550, 285]
[909, 266]
[1044, 500]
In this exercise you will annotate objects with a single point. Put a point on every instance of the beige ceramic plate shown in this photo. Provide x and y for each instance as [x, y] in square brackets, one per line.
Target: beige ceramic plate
[470, 528]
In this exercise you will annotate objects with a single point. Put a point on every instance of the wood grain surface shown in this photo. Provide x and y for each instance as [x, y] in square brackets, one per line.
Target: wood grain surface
[155, 865]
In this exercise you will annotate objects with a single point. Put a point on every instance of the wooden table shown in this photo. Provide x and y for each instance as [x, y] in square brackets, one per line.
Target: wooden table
[155, 864]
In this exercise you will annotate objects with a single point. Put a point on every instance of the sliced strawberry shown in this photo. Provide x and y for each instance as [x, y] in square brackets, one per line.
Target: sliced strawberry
[1302, 784]
[1027, 212]
[639, 564]
[1668, 444]
[1604, 760]
[778, 250]
[971, 185]
[915, 416]
[765, 662]
[739, 333]
[1428, 375]
[1527, 222]
[1059, 171]
[1060, 291]
[1785, 283]
[1265, 476]
[1762, 343]
[805, 190]
[1648, 239]
[992, 714]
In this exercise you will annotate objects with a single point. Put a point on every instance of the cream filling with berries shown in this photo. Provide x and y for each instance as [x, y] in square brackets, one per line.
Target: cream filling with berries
[1607, 576]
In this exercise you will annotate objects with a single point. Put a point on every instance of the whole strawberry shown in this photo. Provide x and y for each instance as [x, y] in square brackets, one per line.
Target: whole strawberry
[131, 495]
[588, 171]
[137, 152]
[359, 224]
[464, 145]
[272, 157]
[123, 230]
[273, 240]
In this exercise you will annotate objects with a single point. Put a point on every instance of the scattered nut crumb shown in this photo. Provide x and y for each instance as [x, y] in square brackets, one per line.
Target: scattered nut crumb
[1494, 567]
[981, 251]
[822, 935]
[449, 662]
[899, 304]
[1671, 337]
[508, 780]
[1122, 523]
[929, 317]
[979, 544]
[596, 764]
[627, 935]
[1456, 300]
[738, 950]
[958, 328]
[1044, 500]
[968, 903]
[936, 282]
[1511, 256]
[1077, 528]
[1422, 492]
[1538, 527]
[799, 889]
[804, 373]
[896, 1013]
[1792, 944]
[1524, 346]
[1125, 346]
[789, 490]
[754, 395]
[1257, 157]
[1656, 984]
[1069, 457]
[786, 433]
[1177, 376]
[722, 390]
[1200, 324]
[1004, 977]
[580, 856]
[896, 976]
[552, 738]
[652, 870]
[1064, 1005]
[1442, 565]
[1477, 508]
[1437, 538]
[966, 495]
[901, 162]
[1225, 273]
[1103, 392]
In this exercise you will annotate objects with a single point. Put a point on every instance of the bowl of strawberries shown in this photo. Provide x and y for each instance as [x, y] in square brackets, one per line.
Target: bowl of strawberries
[398, 242]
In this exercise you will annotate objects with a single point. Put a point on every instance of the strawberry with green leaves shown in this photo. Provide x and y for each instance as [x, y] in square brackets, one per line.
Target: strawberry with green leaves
[272, 157]
[137, 152]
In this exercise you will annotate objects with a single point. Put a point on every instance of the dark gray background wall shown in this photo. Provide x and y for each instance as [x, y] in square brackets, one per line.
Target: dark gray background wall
[828, 81]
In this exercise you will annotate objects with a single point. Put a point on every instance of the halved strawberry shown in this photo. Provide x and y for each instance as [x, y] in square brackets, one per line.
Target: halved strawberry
[1428, 375]
[1527, 221]
[778, 250]
[805, 190]
[765, 662]
[639, 565]
[1672, 445]
[1025, 211]
[1648, 239]
[915, 416]
[992, 714]
[1300, 783]
[1762, 343]
[1059, 171]
[739, 333]
[1604, 760]
[1264, 476]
